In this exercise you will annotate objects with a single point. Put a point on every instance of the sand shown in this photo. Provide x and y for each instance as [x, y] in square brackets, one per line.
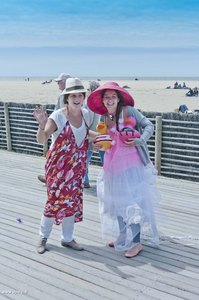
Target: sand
[149, 95]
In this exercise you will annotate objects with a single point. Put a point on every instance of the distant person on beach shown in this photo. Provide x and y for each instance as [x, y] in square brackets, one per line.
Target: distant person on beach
[61, 82]
[184, 85]
[183, 108]
[175, 85]
[195, 91]
[94, 120]
[190, 93]
[126, 188]
[65, 163]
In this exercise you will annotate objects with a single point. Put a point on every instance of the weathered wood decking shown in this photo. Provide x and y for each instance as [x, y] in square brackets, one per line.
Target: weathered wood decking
[170, 272]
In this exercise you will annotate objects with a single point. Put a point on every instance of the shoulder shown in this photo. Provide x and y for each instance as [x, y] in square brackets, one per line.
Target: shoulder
[58, 116]
[86, 115]
[133, 111]
[55, 113]
[85, 112]
[91, 113]
[140, 118]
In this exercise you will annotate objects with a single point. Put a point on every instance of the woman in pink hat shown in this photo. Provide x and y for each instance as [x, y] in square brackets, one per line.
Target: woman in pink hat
[126, 188]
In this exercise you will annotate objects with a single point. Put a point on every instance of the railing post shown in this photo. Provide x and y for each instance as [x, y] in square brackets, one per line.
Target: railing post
[158, 143]
[7, 124]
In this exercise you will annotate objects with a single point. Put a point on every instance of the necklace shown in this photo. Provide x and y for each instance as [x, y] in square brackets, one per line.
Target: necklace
[111, 117]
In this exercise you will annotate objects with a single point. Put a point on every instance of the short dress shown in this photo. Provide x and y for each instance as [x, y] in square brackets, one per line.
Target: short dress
[127, 188]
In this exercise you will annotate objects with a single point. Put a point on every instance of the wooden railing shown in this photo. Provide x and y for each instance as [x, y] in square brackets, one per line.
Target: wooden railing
[174, 147]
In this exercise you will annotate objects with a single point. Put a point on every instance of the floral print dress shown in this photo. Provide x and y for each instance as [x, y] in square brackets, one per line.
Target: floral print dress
[65, 169]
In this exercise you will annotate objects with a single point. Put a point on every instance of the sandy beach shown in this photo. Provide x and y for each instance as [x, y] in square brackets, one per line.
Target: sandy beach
[149, 95]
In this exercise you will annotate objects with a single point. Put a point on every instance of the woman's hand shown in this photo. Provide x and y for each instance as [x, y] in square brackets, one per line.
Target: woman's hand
[130, 143]
[41, 116]
[96, 146]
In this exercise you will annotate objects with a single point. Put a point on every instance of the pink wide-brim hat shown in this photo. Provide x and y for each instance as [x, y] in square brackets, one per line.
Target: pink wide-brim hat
[94, 101]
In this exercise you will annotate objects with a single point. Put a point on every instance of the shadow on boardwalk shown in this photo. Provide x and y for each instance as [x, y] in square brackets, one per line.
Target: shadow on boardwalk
[169, 272]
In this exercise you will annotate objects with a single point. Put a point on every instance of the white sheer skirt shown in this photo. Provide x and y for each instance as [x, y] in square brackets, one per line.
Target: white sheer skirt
[129, 195]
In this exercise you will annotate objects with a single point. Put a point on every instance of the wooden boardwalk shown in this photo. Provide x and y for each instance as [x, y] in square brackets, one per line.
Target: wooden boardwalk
[170, 272]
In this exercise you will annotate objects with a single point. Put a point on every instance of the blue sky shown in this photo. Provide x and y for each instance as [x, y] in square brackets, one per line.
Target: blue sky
[99, 38]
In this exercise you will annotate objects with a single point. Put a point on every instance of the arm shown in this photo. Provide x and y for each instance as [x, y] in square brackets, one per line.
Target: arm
[44, 134]
[92, 134]
[143, 125]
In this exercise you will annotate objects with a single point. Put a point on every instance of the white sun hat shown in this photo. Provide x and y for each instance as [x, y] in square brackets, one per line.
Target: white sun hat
[73, 86]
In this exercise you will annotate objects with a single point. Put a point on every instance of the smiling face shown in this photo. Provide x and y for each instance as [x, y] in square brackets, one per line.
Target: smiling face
[75, 100]
[110, 100]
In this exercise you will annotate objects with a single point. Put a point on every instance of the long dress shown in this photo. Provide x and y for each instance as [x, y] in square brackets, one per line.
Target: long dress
[65, 169]
[126, 188]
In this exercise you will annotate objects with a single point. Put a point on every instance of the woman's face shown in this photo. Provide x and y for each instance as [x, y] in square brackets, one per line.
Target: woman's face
[75, 100]
[110, 100]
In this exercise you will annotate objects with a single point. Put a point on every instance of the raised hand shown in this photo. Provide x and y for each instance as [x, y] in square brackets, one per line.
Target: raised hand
[41, 116]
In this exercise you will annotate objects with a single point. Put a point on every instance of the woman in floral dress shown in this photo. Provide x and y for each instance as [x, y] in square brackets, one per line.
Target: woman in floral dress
[65, 164]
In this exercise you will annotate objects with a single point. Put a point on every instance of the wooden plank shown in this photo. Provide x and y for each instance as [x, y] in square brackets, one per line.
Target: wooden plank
[168, 272]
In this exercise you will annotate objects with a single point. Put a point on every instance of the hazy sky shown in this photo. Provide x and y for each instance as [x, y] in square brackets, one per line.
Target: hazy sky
[99, 37]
